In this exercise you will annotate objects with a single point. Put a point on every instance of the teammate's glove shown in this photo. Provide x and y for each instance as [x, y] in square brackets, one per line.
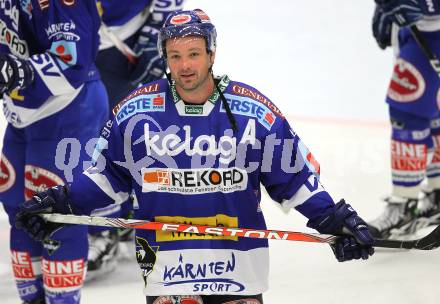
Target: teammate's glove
[150, 66]
[347, 247]
[53, 200]
[382, 28]
[403, 12]
[15, 73]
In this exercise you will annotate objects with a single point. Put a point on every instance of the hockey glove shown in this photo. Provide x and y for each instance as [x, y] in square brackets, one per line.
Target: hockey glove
[53, 200]
[381, 28]
[403, 12]
[15, 73]
[347, 247]
[150, 66]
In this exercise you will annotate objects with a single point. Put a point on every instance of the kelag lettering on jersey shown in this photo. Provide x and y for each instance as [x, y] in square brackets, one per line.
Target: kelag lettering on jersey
[193, 168]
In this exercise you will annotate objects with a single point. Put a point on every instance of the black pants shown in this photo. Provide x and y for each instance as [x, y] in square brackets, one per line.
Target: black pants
[220, 299]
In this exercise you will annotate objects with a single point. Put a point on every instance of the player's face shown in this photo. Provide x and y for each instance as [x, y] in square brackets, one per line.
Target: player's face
[189, 63]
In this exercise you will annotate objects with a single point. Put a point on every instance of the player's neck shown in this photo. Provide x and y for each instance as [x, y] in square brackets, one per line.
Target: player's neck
[198, 95]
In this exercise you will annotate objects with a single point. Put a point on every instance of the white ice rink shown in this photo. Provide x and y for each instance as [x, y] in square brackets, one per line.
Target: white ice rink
[318, 62]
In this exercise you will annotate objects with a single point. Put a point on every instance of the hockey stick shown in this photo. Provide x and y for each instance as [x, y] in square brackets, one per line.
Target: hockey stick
[431, 241]
[119, 44]
[430, 55]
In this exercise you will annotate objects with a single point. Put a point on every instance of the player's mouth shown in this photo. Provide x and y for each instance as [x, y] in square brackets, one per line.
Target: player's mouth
[187, 76]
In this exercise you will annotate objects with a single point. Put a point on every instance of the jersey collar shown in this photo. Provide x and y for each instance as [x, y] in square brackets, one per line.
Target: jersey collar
[202, 109]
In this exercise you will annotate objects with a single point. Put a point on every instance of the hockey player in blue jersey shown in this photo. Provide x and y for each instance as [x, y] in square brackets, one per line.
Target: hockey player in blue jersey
[50, 90]
[196, 149]
[135, 24]
[414, 100]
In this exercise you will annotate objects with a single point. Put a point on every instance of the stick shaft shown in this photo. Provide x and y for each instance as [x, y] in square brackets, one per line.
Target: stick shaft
[119, 44]
[173, 227]
[430, 55]
[429, 242]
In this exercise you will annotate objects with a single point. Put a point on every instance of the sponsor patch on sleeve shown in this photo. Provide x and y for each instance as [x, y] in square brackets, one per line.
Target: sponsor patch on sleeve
[141, 104]
[248, 107]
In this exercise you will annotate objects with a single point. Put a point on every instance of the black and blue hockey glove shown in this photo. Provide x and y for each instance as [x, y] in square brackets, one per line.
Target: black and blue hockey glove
[407, 12]
[343, 217]
[53, 200]
[15, 73]
[381, 28]
[150, 66]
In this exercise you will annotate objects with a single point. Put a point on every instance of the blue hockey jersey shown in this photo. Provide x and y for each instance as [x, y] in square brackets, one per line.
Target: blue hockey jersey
[60, 40]
[414, 84]
[185, 164]
[125, 20]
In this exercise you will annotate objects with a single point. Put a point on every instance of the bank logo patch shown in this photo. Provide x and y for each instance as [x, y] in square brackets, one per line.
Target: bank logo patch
[251, 108]
[140, 104]
[194, 181]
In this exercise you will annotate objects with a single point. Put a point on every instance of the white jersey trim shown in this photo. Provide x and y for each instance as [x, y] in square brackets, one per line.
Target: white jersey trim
[21, 117]
[104, 184]
[122, 31]
[429, 23]
[303, 193]
[51, 75]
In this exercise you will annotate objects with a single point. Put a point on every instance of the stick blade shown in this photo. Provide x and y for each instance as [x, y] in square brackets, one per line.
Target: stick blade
[429, 242]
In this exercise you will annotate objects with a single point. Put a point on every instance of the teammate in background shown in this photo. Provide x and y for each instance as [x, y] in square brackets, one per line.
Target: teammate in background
[414, 99]
[196, 148]
[136, 24]
[50, 90]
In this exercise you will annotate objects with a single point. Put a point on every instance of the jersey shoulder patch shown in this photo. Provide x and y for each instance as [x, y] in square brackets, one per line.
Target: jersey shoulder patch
[147, 98]
[246, 100]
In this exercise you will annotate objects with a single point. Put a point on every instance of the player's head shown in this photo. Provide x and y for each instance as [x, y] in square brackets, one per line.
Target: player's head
[187, 43]
[192, 23]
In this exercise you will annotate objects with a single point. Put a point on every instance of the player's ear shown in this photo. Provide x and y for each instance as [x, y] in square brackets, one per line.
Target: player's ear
[212, 57]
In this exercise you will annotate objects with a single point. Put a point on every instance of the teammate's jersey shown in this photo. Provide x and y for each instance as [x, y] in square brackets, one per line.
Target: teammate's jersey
[125, 20]
[414, 84]
[185, 164]
[60, 40]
